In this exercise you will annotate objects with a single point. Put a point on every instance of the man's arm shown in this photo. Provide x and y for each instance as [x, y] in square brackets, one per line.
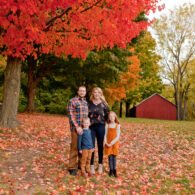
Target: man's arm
[71, 114]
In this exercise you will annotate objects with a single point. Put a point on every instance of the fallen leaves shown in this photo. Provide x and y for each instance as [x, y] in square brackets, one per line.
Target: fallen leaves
[153, 158]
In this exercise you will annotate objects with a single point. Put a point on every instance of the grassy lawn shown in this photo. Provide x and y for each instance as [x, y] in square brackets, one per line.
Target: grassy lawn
[155, 157]
[184, 126]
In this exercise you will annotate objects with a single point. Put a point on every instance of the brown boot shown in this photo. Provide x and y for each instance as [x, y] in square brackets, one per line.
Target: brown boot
[114, 173]
[83, 174]
[89, 173]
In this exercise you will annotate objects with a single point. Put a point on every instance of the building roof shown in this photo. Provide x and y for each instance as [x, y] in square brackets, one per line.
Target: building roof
[151, 97]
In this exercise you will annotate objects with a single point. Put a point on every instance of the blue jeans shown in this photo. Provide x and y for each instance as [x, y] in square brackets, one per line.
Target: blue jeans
[98, 131]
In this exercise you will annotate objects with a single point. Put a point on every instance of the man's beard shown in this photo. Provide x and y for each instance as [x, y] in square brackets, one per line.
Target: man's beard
[81, 96]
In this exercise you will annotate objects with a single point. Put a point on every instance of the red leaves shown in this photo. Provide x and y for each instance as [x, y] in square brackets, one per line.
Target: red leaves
[71, 27]
[153, 158]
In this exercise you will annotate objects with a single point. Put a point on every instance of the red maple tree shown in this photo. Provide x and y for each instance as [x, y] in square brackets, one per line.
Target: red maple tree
[71, 27]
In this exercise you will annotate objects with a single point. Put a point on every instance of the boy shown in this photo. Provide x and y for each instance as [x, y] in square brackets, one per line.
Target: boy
[85, 147]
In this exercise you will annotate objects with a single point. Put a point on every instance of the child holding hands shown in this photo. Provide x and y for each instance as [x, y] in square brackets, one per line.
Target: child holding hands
[85, 147]
[112, 134]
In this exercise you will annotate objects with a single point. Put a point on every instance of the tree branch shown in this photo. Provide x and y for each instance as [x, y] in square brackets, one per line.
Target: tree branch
[44, 72]
[91, 6]
[50, 21]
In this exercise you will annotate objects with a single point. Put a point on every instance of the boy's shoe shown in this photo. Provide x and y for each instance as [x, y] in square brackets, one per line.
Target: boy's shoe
[73, 172]
[114, 173]
[83, 174]
[110, 172]
[92, 167]
[100, 168]
[89, 174]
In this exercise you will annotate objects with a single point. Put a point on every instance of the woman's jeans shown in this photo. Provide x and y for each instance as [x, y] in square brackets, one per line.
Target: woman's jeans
[98, 131]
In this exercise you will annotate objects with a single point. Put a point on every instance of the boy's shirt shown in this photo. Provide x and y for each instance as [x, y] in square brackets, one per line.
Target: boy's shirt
[85, 140]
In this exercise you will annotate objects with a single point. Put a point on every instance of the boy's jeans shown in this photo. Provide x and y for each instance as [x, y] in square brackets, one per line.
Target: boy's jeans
[85, 160]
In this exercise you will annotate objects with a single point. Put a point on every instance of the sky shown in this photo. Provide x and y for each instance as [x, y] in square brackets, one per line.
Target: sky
[169, 4]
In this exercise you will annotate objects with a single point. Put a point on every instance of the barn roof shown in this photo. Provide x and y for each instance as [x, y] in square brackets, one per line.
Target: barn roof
[152, 96]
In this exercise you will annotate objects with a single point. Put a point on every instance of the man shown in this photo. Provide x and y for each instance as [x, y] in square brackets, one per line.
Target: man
[77, 110]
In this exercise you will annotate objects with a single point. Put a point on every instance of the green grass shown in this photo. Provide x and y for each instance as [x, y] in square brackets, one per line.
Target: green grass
[185, 126]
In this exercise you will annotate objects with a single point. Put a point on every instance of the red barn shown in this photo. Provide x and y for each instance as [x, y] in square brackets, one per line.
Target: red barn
[155, 107]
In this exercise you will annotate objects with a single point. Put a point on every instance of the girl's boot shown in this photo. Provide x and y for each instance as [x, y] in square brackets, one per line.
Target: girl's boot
[114, 172]
[110, 172]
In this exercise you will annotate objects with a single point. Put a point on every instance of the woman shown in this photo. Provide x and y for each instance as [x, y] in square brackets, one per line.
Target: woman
[98, 113]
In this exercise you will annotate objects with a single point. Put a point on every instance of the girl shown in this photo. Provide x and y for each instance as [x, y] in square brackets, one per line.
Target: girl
[112, 134]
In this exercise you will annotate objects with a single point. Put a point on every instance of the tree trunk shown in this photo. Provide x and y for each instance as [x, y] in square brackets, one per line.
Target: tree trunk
[181, 104]
[31, 99]
[121, 109]
[31, 87]
[34, 79]
[184, 109]
[11, 92]
[127, 109]
[177, 103]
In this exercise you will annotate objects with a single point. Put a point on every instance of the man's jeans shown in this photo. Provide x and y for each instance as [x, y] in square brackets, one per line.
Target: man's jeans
[74, 156]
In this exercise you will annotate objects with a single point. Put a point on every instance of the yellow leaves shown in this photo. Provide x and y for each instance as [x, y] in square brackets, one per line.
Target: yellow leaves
[3, 60]
[112, 193]
[6, 156]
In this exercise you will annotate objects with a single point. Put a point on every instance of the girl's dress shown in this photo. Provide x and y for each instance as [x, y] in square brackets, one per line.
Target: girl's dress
[111, 135]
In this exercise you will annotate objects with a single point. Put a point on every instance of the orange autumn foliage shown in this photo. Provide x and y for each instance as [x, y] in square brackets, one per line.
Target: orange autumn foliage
[117, 91]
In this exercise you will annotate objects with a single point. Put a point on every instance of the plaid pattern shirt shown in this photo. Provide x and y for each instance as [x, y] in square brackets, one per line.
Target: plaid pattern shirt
[77, 110]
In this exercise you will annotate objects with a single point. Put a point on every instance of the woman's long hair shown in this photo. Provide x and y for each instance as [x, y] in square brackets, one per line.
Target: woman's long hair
[101, 95]
[116, 118]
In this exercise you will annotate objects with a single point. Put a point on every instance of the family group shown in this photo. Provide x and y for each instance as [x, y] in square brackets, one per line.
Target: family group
[90, 121]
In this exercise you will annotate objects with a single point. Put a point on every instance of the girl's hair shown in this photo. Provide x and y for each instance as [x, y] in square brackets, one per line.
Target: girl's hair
[116, 118]
[101, 94]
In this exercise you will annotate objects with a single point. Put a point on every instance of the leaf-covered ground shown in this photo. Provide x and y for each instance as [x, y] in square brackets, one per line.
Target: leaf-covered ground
[155, 157]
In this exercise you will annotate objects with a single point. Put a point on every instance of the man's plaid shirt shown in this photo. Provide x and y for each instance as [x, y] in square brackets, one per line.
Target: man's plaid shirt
[77, 110]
